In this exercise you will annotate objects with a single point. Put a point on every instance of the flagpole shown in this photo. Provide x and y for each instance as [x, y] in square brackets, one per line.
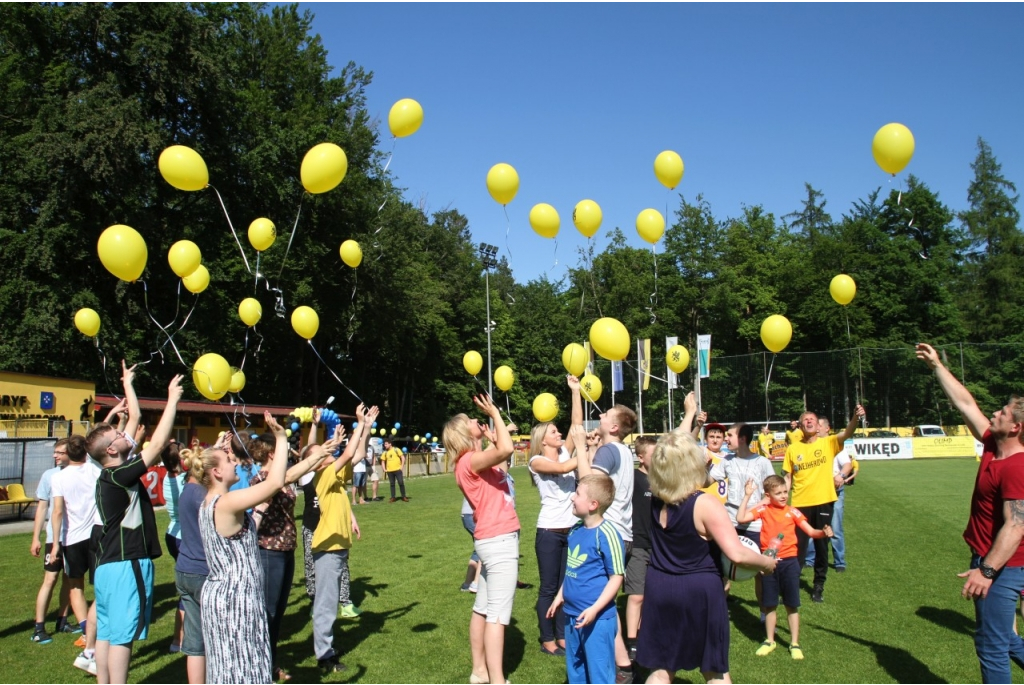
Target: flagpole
[639, 388]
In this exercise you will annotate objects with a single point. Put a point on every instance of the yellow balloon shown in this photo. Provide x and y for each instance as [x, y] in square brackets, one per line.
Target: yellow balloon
[677, 358]
[574, 359]
[250, 311]
[502, 183]
[237, 380]
[776, 332]
[610, 339]
[472, 362]
[893, 147]
[544, 220]
[394, 431]
[383, 431]
[197, 281]
[351, 253]
[212, 376]
[416, 438]
[590, 388]
[668, 167]
[262, 234]
[183, 168]
[504, 378]
[87, 321]
[650, 224]
[545, 407]
[184, 257]
[843, 289]
[323, 168]
[587, 217]
[123, 252]
[405, 118]
[423, 440]
[305, 322]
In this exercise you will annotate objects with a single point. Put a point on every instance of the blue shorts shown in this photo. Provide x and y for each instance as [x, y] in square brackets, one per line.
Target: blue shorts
[124, 600]
[785, 581]
[590, 650]
[359, 479]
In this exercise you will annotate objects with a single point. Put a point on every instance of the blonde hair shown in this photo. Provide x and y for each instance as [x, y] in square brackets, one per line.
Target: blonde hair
[537, 438]
[677, 467]
[625, 418]
[600, 488]
[456, 438]
[199, 462]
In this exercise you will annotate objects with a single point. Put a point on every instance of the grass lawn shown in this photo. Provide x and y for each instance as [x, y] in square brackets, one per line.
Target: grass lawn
[895, 616]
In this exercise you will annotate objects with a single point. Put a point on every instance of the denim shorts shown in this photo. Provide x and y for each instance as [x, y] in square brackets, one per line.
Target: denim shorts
[190, 587]
[785, 580]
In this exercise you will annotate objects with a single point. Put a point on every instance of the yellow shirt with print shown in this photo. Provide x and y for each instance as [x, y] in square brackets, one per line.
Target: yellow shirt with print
[764, 444]
[718, 488]
[334, 531]
[811, 466]
[392, 459]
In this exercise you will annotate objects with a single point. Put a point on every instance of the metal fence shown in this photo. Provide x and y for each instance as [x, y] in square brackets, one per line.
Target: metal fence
[41, 428]
[23, 460]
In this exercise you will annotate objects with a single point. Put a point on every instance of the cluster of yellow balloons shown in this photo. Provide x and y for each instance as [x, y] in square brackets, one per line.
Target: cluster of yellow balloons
[504, 378]
[893, 147]
[305, 322]
[262, 234]
[351, 253]
[405, 117]
[185, 260]
[304, 414]
[87, 321]
[610, 339]
[323, 168]
[776, 332]
[123, 252]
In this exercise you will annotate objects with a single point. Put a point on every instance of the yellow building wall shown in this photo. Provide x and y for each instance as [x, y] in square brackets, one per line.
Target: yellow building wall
[22, 401]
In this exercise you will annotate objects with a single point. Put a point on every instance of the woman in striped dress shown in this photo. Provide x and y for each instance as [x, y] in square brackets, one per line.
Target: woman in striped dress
[234, 615]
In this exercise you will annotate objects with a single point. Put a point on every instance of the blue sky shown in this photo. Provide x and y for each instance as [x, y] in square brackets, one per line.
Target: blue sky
[757, 99]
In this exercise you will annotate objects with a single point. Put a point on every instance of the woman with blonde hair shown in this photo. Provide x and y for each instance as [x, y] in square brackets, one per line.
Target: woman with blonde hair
[190, 569]
[686, 622]
[484, 482]
[234, 614]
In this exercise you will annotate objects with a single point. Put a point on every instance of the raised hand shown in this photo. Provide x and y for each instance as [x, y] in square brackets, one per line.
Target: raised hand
[127, 372]
[174, 389]
[483, 401]
[573, 383]
[927, 354]
[273, 425]
[749, 488]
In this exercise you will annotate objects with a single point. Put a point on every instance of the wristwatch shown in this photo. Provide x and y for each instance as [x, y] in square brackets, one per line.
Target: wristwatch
[986, 570]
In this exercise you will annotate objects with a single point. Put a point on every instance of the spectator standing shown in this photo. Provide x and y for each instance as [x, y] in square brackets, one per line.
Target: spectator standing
[394, 463]
[53, 567]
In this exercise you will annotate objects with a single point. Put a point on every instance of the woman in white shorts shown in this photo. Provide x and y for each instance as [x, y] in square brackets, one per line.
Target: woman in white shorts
[482, 476]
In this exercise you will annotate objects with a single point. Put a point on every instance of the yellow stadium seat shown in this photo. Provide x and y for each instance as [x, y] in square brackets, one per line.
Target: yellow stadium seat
[16, 497]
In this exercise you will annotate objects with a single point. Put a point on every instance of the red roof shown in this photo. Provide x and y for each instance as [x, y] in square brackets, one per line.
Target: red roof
[189, 406]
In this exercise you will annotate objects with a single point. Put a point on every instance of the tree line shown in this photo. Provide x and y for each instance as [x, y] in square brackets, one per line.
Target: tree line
[91, 94]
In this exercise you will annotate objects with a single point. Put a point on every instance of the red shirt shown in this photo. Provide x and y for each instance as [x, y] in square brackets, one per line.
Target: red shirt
[153, 481]
[998, 480]
[775, 520]
[494, 511]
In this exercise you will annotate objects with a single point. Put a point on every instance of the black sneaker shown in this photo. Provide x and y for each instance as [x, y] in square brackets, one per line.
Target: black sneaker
[331, 665]
[816, 594]
[840, 569]
[41, 637]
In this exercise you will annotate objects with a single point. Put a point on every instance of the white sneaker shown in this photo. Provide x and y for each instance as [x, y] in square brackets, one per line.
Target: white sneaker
[87, 664]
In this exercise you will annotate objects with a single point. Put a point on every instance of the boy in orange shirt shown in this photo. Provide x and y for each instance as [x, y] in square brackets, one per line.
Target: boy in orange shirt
[778, 519]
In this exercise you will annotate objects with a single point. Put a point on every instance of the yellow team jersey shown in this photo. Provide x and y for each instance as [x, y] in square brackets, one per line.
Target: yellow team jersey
[718, 488]
[392, 459]
[764, 444]
[811, 467]
[334, 531]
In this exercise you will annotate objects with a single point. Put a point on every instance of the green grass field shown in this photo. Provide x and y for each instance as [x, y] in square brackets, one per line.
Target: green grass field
[895, 616]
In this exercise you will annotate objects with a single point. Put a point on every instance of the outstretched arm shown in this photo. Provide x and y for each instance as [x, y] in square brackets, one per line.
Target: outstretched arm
[501, 448]
[847, 433]
[134, 411]
[961, 398]
[162, 432]
[237, 501]
[577, 411]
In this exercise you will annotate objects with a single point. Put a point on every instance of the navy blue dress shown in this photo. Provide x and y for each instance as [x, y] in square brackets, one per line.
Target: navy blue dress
[685, 619]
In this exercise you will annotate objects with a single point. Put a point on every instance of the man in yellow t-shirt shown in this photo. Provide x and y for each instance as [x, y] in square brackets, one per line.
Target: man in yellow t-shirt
[764, 442]
[394, 463]
[807, 469]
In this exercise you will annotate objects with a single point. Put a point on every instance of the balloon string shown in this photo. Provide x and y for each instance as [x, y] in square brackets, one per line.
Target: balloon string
[376, 244]
[163, 329]
[555, 257]
[291, 237]
[768, 380]
[654, 296]
[231, 422]
[508, 227]
[103, 363]
[352, 303]
[351, 392]
[232, 227]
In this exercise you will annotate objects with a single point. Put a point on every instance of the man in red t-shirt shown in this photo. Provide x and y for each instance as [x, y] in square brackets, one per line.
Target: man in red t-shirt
[996, 525]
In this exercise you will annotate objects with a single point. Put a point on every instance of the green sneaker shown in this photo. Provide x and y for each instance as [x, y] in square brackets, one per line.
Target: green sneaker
[350, 610]
[766, 648]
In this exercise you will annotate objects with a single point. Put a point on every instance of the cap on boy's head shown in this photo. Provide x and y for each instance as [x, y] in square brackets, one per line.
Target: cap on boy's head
[708, 427]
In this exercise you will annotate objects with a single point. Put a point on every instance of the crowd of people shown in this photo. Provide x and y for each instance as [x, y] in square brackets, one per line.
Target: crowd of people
[666, 534]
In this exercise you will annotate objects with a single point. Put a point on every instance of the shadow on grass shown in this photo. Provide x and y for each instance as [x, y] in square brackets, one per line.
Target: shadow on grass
[947, 618]
[746, 622]
[424, 628]
[25, 627]
[515, 646]
[901, 665]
